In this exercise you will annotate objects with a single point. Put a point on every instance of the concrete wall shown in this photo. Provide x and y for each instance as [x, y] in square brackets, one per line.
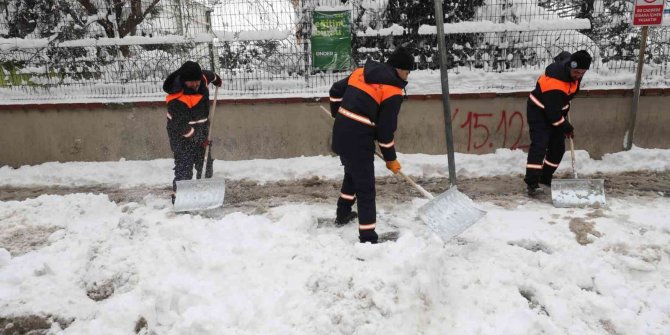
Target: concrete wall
[34, 134]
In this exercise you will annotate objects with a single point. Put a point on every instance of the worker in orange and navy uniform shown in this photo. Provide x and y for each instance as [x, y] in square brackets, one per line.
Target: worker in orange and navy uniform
[365, 107]
[187, 120]
[547, 112]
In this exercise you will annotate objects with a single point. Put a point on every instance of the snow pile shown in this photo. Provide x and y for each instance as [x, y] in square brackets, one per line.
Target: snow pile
[524, 268]
[159, 172]
[517, 271]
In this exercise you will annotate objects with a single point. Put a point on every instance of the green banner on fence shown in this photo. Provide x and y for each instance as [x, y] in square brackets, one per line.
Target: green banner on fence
[331, 40]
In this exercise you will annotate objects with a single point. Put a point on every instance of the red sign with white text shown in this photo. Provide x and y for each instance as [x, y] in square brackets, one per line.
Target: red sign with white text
[648, 12]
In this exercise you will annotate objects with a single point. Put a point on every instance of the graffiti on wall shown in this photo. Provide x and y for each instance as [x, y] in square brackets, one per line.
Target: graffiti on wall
[487, 131]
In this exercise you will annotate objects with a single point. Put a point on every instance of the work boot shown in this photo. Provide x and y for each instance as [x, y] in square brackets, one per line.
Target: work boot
[368, 235]
[535, 190]
[342, 220]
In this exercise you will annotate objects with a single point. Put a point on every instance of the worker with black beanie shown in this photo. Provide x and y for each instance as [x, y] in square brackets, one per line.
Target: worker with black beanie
[365, 106]
[547, 113]
[188, 120]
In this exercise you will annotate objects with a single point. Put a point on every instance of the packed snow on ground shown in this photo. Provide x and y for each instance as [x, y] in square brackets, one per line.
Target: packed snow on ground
[159, 172]
[524, 269]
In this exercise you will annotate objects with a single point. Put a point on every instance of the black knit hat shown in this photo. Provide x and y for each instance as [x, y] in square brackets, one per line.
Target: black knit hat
[190, 71]
[580, 60]
[402, 59]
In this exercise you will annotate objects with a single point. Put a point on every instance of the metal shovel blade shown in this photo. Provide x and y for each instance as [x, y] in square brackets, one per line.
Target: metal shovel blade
[450, 213]
[578, 192]
[199, 194]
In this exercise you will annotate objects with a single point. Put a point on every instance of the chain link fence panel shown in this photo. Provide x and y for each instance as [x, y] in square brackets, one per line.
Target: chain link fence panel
[99, 50]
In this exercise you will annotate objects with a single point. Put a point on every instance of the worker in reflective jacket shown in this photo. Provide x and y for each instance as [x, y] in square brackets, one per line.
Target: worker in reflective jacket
[365, 106]
[187, 120]
[547, 113]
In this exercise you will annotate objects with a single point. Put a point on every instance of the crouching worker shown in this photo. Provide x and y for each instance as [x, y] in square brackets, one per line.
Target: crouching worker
[187, 120]
[547, 113]
[365, 107]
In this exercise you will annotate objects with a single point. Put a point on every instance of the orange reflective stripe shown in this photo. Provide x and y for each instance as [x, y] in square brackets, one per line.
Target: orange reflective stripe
[534, 166]
[190, 133]
[387, 145]
[390, 90]
[335, 99]
[173, 96]
[189, 99]
[378, 92]
[539, 104]
[169, 116]
[534, 100]
[357, 79]
[347, 196]
[548, 83]
[558, 123]
[366, 226]
[198, 121]
[550, 163]
[355, 117]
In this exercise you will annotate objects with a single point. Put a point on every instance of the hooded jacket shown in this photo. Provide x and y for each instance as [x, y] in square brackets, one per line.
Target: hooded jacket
[550, 100]
[188, 110]
[365, 106]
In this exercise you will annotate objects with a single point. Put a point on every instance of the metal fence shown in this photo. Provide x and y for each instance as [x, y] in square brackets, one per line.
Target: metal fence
[120, 50]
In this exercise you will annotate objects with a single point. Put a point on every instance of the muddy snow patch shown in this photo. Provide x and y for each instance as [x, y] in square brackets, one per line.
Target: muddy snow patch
[20, 240]
[32, 324]
[584, 230]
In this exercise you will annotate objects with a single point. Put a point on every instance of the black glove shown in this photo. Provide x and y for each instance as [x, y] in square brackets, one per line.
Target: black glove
[217, 81]
[568, 130]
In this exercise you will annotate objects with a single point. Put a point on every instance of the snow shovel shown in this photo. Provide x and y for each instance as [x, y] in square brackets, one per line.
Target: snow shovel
[577, 192]
[448, 214]
[201, 194]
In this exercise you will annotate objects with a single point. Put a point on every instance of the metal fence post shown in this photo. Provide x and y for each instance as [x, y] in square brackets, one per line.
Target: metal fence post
[212, 56]
[636, 95]
[306, 35]
[439, 23]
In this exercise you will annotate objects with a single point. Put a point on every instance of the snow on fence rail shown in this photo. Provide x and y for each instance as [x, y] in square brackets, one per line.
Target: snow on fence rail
[7, 44]
[493, 27]
[264, 49]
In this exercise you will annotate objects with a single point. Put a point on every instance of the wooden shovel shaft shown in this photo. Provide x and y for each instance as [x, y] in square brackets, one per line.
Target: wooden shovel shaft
[572, 154]
[209, 131]
[408, 179]
[411, 181]
[325, 110]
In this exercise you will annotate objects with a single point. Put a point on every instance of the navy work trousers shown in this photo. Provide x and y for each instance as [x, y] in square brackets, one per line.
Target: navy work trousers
[359, 180]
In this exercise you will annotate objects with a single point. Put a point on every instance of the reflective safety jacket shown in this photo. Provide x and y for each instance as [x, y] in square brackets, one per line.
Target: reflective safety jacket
[187, 109]
[365, 107]
[550, 100]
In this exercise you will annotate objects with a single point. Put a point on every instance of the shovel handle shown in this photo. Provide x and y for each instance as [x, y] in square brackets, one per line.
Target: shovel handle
[408, 179]
[417, 186]
[572, 153]
[325, 111]
[209, 131]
